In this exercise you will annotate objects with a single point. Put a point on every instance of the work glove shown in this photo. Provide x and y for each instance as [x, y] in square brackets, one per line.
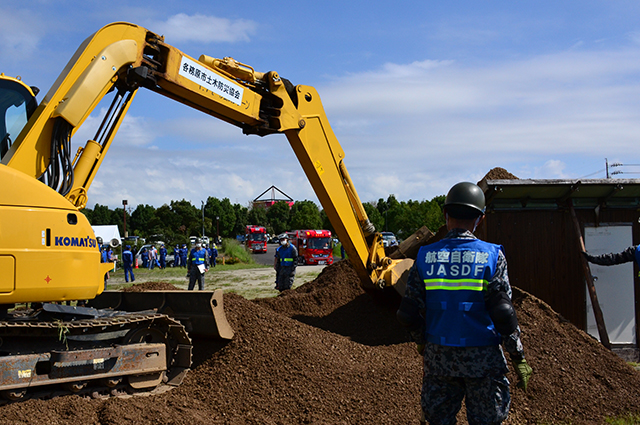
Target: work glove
[524, 372]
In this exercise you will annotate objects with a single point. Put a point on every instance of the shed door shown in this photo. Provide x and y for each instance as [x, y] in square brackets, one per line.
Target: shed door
[614, 284]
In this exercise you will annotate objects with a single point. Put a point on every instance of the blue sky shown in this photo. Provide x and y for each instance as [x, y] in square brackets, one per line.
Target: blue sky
[421, 95]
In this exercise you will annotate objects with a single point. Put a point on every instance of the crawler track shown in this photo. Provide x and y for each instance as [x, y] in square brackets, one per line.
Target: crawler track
[57, 351]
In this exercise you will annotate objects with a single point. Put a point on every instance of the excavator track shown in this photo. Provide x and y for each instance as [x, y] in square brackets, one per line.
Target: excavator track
[62, 349]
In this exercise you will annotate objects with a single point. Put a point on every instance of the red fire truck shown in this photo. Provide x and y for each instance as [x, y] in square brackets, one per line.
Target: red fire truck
[314, 246]
[255, 238]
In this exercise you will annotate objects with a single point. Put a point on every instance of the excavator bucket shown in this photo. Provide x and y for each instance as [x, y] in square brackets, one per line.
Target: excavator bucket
[200, 312]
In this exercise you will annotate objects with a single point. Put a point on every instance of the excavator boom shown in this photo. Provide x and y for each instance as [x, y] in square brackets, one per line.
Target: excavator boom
[121, 58]
[48, 251]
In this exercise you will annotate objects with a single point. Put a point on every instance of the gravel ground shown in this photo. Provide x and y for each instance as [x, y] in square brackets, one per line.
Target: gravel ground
[250, 283]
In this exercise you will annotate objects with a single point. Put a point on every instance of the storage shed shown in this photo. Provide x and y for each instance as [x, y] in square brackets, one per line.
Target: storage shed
[537, 220]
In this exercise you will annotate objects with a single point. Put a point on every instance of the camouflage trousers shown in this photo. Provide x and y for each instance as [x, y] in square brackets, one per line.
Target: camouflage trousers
[487, 399]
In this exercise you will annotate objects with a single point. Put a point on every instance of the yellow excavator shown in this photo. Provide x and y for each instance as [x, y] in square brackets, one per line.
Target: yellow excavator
[48, 250]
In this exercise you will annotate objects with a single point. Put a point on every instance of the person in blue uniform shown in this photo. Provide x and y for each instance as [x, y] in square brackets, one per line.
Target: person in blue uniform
[183, 255]
[214, 255]
[285, 264]
[144, 255]
[176, 256]
[197, 267]
[457, 307]
[103, 258]
[163, 256]
[127, 264]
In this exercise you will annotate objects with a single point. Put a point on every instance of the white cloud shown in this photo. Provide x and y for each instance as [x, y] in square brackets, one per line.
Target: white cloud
[135, 131]
[406, 127]
[409, 129]
[552, 169]
[19, 35]
[204, 29]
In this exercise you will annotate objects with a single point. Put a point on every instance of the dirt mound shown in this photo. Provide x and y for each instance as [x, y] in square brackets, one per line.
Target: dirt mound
[151, 286]
[499, 174]
[576, 379]
[328, 353]
[335, 302]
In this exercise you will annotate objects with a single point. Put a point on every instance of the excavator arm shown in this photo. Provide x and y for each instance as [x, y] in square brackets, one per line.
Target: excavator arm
[121, 58]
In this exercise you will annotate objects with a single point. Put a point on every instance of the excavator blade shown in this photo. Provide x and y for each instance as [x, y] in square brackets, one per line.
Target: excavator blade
[200, 312]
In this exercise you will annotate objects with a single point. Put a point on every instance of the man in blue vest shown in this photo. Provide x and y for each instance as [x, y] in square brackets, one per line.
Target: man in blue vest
[285, 264]
[163, 256]
[144, 255]
[183, 255]
[457, 307]
[176, 256]
[127, 264]
[197, 266]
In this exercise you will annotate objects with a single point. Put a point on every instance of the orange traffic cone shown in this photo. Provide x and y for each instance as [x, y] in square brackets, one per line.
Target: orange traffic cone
[136, 263]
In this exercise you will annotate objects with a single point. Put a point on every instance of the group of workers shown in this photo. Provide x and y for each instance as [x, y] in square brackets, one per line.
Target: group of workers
[181, 254]
[152, 257]
[157, 257]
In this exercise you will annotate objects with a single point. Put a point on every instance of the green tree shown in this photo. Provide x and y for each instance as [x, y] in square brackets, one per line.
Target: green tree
[305, 215]
[101, 215]
[189, 219]
[117, 218]
[141, 218]
[258, 216]
[278, 215]
[434, 218]
[374, 216]
[241, 219]
[170, 224]
[326, 224]
[222, 215]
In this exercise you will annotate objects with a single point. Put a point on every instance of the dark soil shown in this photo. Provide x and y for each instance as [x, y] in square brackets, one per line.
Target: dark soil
[328, 353]
[499, 174]
[151, 286]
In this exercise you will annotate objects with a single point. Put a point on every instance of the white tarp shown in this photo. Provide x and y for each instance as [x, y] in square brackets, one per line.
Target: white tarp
[107, 233]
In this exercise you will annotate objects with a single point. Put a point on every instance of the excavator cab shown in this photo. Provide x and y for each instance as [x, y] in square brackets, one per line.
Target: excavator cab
[17, 103]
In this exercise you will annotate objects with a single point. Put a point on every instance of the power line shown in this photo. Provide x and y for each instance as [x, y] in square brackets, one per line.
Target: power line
[589, 175]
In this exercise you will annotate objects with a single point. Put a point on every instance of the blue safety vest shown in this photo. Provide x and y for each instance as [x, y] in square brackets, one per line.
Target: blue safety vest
[455, 273]
[197, 257]
[286, 255]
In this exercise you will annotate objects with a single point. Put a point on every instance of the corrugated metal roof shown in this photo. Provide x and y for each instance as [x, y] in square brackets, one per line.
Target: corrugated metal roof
[531, 194]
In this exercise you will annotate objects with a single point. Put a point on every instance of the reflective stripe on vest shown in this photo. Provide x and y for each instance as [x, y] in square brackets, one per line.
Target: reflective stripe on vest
[455, 284]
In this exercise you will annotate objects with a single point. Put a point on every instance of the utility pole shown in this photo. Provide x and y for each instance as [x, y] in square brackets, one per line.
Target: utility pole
[202, 218]
[124, 213]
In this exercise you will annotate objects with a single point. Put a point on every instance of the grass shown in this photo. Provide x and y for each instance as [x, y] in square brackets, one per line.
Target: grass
[629, 419]
[233, 249]
[248, 280]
